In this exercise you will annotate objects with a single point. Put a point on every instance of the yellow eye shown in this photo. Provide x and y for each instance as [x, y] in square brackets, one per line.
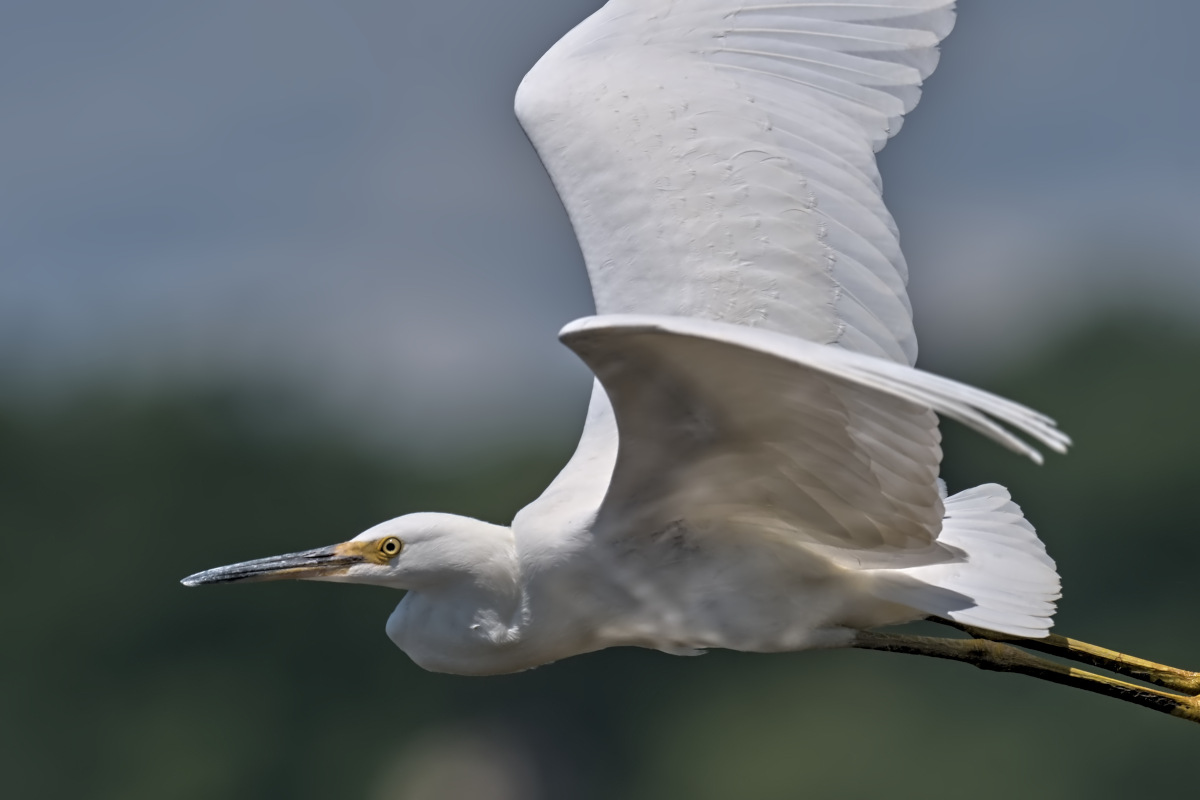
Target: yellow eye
[389, 547]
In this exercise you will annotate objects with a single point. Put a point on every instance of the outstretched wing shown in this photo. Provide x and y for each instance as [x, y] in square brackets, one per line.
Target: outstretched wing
[725, 428]
[716, 158]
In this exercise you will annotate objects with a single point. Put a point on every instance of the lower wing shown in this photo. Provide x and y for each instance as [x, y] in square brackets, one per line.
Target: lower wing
[728, 427]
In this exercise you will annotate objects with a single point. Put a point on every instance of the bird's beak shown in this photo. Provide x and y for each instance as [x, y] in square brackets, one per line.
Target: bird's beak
[323, 562]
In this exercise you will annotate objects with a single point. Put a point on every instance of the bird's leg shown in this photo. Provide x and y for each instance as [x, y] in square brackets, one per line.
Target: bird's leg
[1180, 680]
[1001, 657]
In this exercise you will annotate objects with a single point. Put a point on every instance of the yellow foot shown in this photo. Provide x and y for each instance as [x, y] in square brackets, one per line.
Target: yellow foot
[986, 652]
[1179, 680]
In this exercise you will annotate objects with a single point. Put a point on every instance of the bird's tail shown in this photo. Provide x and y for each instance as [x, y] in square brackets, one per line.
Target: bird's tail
[1004, 581]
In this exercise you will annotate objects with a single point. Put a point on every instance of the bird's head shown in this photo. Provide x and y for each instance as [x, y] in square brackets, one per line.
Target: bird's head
[409, 552]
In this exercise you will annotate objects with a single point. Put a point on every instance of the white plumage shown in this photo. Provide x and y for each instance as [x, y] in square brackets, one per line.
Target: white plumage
[759, 465]
[717, 159]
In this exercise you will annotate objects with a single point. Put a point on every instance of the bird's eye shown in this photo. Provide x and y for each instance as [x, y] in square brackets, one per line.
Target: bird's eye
[390, 546]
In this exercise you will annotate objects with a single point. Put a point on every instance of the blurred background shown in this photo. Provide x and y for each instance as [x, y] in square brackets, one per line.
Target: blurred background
[271, 272]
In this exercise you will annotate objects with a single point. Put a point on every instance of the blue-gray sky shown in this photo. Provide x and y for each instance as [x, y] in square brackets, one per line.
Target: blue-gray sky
[335, 194]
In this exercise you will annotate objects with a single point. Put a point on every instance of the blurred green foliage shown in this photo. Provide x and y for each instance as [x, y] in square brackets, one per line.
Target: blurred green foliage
[116, 682]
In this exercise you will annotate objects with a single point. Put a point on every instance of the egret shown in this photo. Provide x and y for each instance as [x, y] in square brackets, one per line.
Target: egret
[758, 468]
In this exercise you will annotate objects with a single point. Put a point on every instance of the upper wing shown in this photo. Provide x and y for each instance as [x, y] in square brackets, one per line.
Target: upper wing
[727, 428]
[716, 158]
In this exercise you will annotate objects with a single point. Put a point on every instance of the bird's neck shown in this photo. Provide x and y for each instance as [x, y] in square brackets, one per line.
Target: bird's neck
[461, 623]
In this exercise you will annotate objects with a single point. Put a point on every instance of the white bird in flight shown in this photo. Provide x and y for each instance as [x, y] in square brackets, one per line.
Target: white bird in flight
[758, 469]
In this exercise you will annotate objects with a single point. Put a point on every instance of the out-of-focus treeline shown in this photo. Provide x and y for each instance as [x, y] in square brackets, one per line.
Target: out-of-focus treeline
[116, 682]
